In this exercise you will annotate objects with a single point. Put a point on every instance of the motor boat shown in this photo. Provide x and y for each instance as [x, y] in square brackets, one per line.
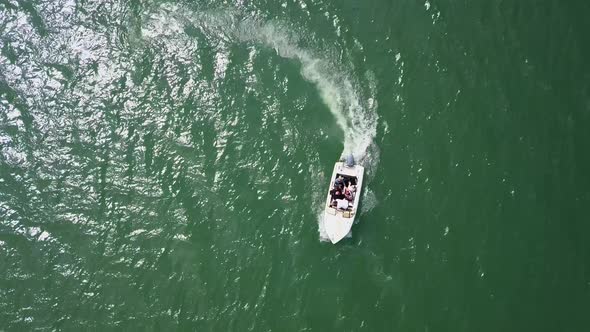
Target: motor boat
[340, 213]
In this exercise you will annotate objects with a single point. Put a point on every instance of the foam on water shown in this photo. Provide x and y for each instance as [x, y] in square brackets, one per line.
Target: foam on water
[355, 115]
[321, 227]
[369, 201]
[357, 120]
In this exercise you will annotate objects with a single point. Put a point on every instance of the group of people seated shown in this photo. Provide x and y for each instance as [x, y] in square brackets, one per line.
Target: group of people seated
[343, 192]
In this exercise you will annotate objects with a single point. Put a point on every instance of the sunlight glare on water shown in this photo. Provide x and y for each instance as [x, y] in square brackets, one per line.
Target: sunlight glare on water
[164, 165]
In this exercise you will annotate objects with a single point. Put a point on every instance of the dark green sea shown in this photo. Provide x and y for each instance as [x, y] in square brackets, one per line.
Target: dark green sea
[163, 165]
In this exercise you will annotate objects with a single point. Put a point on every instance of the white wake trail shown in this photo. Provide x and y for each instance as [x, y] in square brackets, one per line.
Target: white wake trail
[356, 116]
[357, 121]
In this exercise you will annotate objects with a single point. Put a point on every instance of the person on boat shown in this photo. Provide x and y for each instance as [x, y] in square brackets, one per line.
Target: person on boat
[348, 194]
[333, 193]
[339, 183]
[338, 194]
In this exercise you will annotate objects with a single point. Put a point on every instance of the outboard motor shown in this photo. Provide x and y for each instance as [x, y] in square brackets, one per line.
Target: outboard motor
[349, 161]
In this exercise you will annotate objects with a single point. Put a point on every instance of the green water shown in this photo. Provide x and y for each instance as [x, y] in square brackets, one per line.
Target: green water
[163, 165]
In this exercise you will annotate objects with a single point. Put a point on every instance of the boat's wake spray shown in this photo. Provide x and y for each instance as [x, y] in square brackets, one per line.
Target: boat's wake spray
[355, 114]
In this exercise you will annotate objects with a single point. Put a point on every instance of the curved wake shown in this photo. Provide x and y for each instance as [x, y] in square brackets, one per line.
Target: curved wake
[356, 116]
[357, 120]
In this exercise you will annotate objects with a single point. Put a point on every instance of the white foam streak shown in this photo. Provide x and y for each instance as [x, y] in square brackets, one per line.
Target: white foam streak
[356, 116]
[357, 121]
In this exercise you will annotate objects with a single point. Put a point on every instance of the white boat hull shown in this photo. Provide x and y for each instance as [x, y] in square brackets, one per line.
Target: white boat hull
[337, 223]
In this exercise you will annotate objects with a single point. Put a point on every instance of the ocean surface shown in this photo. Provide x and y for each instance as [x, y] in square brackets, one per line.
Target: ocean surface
[163, 165]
